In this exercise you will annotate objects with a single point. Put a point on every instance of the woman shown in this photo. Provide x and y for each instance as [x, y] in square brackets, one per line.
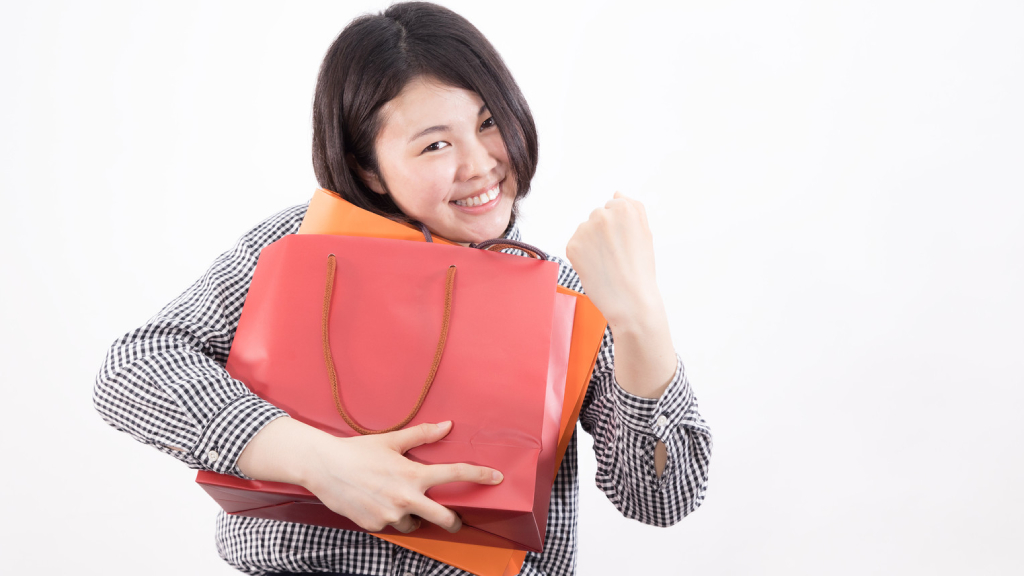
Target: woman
[417, 118]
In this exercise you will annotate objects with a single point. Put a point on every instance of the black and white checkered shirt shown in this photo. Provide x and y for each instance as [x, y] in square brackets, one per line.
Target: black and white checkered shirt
[165, 384]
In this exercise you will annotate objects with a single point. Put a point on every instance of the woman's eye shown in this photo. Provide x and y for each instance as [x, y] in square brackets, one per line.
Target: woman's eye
[487, 123]
[436, 146]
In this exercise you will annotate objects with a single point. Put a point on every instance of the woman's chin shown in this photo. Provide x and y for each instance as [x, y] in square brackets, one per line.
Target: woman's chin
[480, 228]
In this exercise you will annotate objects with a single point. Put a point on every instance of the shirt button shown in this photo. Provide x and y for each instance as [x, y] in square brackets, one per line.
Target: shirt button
[662, 421]
[212, 455]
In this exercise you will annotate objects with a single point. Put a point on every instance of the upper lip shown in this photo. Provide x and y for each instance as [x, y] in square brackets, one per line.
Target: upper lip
[478, 192]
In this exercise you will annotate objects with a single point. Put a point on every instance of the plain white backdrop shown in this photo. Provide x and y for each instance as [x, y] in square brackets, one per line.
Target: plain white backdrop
[837, 199]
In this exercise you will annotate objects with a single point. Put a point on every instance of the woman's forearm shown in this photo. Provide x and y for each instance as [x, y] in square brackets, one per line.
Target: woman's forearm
[281, 452]
[645, 359]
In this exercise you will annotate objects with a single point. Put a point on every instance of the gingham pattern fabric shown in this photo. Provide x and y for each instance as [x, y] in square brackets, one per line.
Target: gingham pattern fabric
[165, 384]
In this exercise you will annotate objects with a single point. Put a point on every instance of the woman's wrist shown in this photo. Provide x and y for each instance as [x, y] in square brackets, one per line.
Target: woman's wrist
[284, 451]
[645, 359]
[642, 314]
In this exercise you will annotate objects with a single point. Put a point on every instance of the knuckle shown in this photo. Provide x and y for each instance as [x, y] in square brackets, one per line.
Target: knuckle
[409, 473]
[373, 525]
[451, 519]
[460, 471]
[455, 524]
[400, 502]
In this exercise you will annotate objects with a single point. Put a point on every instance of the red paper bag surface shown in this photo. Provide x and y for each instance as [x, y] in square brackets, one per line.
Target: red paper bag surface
[386, 315]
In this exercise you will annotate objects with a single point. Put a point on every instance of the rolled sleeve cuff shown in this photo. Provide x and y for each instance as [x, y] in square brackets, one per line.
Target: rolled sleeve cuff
[230, 431]
[655, 417]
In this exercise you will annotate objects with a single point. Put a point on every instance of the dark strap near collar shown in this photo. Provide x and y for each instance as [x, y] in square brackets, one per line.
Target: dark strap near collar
[498, 244]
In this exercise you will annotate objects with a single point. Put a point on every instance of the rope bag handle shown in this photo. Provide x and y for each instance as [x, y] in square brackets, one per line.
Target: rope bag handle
[329, 358]
[495, 245]
[499, 244]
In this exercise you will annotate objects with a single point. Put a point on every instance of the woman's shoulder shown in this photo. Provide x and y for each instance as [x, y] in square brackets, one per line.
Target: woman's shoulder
[275, 227]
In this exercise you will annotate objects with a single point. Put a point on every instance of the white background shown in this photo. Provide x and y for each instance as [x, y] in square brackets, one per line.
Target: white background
[835, 191]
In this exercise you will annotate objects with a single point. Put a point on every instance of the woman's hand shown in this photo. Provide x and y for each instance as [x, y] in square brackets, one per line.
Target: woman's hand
[367, 479]
[613, 253]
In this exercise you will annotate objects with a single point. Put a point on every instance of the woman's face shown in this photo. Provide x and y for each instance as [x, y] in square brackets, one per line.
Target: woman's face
[444, 162]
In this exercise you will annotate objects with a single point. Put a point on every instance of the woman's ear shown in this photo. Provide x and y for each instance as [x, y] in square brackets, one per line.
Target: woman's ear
[369, 178]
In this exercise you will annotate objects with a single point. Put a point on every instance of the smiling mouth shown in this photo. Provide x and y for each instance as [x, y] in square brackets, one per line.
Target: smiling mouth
[482, 199]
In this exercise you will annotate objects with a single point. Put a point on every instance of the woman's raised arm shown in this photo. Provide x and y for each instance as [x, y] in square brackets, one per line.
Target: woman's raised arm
[653, 448]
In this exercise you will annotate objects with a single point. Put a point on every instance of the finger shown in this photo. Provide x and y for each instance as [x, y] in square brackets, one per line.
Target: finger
[643, 211]
[406, 524]
[618, 195]
[437, 514]
[618, 201]
[461, 472]
[409, 438]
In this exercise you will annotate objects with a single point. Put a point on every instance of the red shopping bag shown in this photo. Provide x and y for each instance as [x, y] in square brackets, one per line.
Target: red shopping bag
[470, 549]
[497, 367]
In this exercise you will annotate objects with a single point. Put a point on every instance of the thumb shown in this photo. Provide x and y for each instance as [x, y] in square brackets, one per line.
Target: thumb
[425, 433]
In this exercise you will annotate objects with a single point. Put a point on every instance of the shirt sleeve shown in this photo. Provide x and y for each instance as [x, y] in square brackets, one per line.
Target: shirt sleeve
[626, 429]
[164, 383]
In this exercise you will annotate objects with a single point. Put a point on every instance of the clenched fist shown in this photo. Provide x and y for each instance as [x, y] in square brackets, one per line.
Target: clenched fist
[613, 253]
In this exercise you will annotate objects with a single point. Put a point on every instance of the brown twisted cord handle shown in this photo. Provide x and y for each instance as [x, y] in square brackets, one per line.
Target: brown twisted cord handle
[329, 359]
[498, 244]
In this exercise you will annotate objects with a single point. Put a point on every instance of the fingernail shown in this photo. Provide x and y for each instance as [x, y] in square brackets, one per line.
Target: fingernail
[496, 476]
[445, 424]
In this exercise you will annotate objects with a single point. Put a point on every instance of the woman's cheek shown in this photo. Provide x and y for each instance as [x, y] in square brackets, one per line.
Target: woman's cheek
[438, 177]
[496, 148]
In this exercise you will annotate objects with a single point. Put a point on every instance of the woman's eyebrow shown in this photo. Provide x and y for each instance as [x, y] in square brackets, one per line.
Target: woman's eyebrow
[431, 130]
[442, 127]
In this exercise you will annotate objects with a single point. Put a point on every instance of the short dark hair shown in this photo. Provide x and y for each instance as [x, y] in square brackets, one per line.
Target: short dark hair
[369, 64]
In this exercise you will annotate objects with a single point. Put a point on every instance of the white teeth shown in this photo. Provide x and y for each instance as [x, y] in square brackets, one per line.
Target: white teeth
[481, 199]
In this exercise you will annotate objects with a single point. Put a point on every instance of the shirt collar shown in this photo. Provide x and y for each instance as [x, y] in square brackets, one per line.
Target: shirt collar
[512, 232]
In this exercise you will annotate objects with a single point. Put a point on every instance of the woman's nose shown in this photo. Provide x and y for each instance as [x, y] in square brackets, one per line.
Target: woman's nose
[476, 161]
